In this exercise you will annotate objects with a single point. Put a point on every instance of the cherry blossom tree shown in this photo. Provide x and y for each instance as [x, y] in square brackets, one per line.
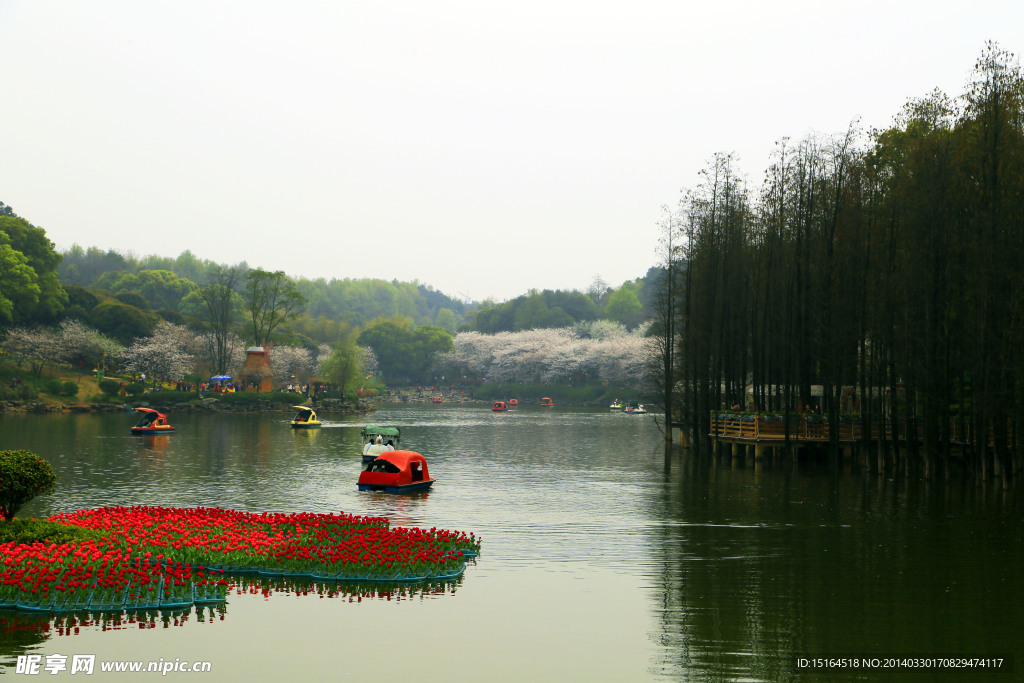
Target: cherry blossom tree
[215, 348]
[37, 347]
[85, 347]
[602, 349]
[291, 361]
[164, 355]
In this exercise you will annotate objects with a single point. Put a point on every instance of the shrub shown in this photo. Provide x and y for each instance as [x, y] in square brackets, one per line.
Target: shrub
[23, 476]
[29, 531]
[135, 389]
[110, 387]
[54, 386]
[70, 388]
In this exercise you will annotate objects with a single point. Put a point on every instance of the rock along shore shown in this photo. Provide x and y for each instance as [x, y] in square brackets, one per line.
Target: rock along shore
[327, 406]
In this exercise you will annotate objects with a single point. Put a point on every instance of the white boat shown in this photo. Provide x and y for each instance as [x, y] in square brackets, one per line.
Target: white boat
[637, 409]
[377, 440]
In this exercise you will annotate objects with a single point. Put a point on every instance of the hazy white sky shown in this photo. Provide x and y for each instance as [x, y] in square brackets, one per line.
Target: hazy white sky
[481, 148]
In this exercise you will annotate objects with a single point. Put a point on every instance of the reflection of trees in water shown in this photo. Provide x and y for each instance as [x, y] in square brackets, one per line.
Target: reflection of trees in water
[763, 562]
[21, 631]
[714, 619]
[354, 591]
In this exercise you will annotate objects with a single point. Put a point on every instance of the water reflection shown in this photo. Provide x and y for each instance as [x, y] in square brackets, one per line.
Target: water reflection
[22, 631]
[770, 561]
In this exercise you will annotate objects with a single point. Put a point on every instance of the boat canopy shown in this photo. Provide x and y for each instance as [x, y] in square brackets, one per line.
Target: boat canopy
[396, 468]
[150, 417]
[303, 409]
[373, 430]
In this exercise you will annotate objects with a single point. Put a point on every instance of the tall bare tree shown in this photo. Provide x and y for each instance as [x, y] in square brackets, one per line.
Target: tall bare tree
[222, 303]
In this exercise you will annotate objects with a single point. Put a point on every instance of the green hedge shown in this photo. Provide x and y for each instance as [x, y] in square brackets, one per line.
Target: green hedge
[33, 530]
[23, 476]
[110, 387]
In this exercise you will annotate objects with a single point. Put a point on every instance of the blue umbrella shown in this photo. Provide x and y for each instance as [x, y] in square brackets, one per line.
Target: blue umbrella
[220, 378]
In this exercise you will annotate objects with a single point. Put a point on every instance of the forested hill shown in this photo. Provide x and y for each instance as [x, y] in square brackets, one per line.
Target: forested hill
[125, 295]
[163, 284]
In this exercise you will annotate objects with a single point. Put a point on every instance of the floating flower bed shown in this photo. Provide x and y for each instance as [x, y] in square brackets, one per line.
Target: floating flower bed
[158, 557]
[70, 623]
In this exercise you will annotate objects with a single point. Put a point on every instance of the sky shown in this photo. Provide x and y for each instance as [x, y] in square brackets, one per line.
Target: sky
[481, 148]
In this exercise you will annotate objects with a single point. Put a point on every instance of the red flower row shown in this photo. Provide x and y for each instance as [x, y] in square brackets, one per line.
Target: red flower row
[158, 553]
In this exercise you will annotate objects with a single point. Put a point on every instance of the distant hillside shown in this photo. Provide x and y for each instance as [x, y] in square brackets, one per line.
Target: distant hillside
[161, 283]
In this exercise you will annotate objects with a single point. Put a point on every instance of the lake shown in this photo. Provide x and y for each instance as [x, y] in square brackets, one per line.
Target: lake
[602, 559]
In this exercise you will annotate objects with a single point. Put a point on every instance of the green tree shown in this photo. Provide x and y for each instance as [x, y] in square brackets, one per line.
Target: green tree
[393, 345]
[493, 318]
[534, 313]
[344, 367]
[447, 319]
[271, 298]
[23, 476]
[82, 266]
[428, 341]
[624, 305]
[404, 353]
[20, 292]
[28, 270]
[121, 322]
[162, 288]
[133, 299]
[80, 302]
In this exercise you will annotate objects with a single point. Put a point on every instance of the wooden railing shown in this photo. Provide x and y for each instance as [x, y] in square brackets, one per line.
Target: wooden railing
[811, 427]
[769, 426]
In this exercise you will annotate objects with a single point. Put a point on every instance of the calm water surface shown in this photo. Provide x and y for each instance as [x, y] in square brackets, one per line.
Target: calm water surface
[602, 558]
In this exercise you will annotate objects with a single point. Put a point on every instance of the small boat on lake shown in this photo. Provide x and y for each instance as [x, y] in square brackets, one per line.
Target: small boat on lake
[513, 403]
[151, 422]
[305, 418]
[377, 440]
[547, 403]
[499, 406]
[616, 405]
[437, 399]
[396, 472]
[636, 409]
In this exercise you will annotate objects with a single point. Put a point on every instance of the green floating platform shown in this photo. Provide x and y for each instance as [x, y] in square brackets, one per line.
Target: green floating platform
[397, 577]
[129, 598]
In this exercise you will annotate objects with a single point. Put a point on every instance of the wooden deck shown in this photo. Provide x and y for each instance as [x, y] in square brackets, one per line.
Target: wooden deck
[754, 428]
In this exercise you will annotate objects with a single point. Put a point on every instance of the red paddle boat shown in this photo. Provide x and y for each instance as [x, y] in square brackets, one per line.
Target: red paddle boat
[396, 472]
[151, 422]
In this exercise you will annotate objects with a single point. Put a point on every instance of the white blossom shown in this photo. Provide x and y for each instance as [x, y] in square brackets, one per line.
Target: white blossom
[163, 355]
[38, 347]
[291, 361]
[605, 351]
